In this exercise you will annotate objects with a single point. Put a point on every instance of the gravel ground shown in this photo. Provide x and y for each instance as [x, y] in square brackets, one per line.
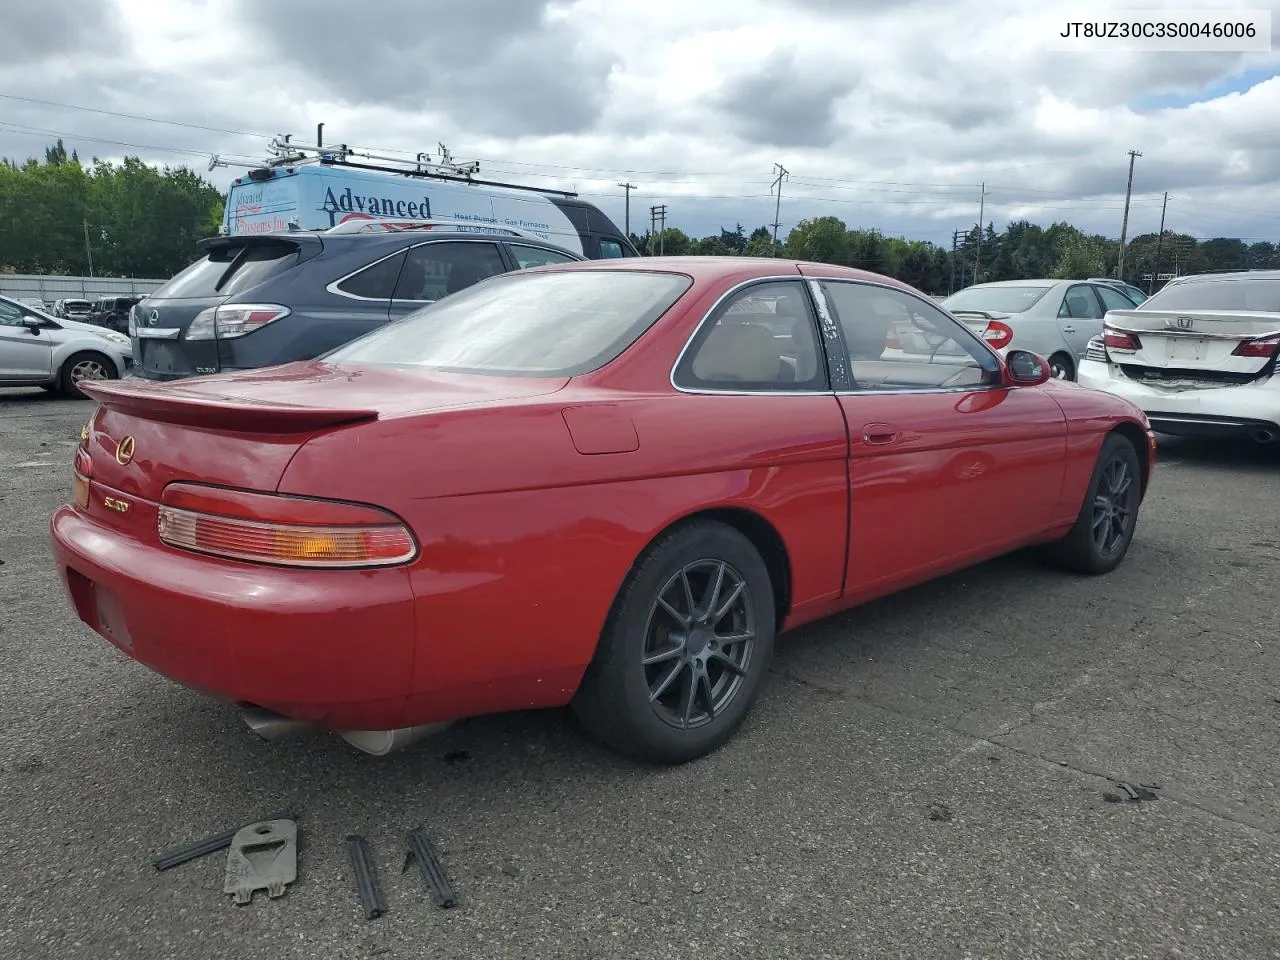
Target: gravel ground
[925, 777]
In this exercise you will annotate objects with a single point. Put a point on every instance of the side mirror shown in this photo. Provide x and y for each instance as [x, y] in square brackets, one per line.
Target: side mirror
[1026, 369]
[32, 322]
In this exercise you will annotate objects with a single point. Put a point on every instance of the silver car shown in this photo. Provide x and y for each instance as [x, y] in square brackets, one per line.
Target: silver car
[37, 350]
[1054, 318]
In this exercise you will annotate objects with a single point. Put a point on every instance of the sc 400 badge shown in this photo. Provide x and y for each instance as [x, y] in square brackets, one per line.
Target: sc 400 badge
[119, 506]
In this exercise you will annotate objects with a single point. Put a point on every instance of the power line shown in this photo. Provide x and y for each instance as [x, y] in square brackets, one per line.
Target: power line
[131, 116]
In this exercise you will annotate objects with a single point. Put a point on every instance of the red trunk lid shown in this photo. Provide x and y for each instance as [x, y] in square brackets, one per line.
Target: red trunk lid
[242, 429]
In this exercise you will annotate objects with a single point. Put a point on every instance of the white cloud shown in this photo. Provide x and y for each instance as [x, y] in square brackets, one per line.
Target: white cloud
[887, 115]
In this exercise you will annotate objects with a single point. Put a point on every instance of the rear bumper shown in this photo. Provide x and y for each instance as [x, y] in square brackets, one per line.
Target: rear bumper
[1234, 411]
[332, 648]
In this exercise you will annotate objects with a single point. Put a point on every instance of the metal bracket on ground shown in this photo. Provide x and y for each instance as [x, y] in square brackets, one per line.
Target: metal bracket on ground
[263, 856]
[430, 870]
[368, 886]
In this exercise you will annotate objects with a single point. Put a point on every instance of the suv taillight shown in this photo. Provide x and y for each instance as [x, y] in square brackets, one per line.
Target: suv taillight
[1263, 349]
[234, 320]
[276, 529]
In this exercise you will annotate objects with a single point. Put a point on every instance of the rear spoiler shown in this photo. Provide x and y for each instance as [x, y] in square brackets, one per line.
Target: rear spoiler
[984, 314]
[308, 243]
[170, 403]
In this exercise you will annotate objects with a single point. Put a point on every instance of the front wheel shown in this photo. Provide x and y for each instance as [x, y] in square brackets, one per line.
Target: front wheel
[82, 367]
[1104, 528]
[686, 649]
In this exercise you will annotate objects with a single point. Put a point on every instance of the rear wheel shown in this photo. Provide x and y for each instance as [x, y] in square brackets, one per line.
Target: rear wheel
[1062, 367]
[1104, 529]
[87, 366]
[686, 649]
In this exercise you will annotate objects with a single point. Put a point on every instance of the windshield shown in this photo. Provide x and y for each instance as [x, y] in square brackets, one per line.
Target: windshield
[558, 324]
[995, 299]
[1251, 294]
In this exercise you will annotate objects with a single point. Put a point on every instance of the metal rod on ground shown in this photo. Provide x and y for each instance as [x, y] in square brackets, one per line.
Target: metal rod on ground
[1124, 226]
[1159, 242]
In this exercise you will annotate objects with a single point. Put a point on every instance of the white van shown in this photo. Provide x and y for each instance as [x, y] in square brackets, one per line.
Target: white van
[321, 195]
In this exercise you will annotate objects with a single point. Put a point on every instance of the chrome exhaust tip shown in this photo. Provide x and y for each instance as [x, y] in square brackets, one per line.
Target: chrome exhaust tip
[382, 742]
[270, 725]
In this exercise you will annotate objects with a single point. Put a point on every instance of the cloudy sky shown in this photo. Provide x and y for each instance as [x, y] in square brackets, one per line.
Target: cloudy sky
[887, 114]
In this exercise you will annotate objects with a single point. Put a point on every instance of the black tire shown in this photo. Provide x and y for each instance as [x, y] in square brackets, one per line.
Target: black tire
[1083, 550]
[1064, 364]
[78, 364]
[614, 702]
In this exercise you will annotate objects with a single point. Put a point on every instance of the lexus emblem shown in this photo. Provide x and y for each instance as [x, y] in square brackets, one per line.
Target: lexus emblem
[124, 451]
[154, 318]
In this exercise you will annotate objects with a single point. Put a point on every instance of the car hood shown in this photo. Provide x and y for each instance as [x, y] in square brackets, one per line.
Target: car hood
[76, 326]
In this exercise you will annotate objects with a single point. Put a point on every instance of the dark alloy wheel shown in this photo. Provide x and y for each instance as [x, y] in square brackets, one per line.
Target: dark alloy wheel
[1100, 538]
[698, 643]
[686, 648]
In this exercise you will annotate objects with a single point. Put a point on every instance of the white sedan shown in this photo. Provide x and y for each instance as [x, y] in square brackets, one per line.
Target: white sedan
[1199, 357]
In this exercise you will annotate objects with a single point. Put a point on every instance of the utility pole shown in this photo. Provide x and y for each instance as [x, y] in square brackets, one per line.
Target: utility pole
[628, 187]
[982, 210]
[1124, 227]
[781, 173]
[87, 252]
[658, 227]
[955, 258]
[1159, 242]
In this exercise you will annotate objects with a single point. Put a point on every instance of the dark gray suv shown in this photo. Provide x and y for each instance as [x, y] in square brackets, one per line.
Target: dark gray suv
[257, 301]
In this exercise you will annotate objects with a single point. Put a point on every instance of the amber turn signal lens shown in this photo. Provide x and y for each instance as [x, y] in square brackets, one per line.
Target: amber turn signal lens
[79, 490]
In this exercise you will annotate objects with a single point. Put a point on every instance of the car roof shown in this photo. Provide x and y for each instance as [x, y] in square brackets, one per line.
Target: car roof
[710, 269]
[391, 240]
[1231, 275]
[1045, 282]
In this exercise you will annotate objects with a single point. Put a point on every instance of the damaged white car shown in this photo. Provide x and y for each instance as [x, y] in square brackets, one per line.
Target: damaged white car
[1199, 357]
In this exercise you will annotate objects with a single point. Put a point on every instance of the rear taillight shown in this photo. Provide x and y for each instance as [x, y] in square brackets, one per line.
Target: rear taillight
[998, 334]
[80, 474]
[234, 320]
[133, 320]
[1115, 340]
[1263, 349]
[275, 529]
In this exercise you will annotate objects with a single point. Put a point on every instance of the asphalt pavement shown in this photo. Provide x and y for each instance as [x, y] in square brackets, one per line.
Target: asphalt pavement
[931, 776]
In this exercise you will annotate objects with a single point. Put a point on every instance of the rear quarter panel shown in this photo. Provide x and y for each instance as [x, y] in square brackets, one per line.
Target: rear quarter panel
[525, 541]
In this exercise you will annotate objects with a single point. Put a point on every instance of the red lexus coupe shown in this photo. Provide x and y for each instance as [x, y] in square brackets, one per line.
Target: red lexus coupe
[609, 484]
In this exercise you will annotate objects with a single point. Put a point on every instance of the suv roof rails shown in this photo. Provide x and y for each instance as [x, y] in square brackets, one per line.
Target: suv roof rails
[284, 152]
[395, 226]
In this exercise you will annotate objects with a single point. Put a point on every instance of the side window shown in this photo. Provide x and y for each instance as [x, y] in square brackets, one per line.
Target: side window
[897, 341]
[10, 316]
[1080, 304]
[435, 270]
[528, 257]
[376, 281]
[1113, 299]
[762, 338]
[611, 250]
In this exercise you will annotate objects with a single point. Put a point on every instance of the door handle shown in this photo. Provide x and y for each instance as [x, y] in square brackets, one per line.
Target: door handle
[879, 433]
[1068, 329]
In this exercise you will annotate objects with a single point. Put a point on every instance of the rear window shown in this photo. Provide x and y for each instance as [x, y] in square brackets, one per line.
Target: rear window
[996, 299]
[1253, 294]
[229, 269]
[536, 325]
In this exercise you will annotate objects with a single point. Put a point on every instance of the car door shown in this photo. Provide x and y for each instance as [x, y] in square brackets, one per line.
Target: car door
[946, 464]
[1080, 316]
[26, 353]
[435, 269]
